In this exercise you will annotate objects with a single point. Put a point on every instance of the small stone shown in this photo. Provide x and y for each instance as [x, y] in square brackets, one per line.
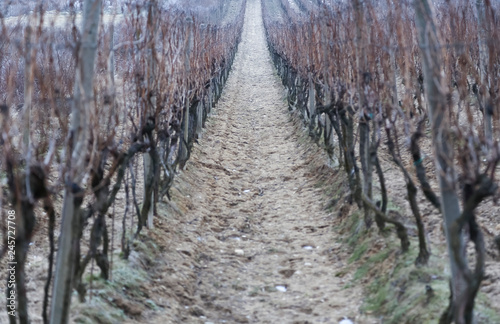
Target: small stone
[281, 288]
[239, 252]
[287, 273]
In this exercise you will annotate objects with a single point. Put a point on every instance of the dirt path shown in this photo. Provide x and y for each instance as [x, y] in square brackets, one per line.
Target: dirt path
[266, 252]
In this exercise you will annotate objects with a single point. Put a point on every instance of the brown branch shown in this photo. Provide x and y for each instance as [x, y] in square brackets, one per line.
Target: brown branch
[423, 255]
[400, 228]
[419, 166]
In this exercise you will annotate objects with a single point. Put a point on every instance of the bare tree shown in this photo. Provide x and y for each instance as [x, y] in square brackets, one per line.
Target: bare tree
[477, 184]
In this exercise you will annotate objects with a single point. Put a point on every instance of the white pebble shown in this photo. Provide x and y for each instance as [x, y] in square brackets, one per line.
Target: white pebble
[281, 288]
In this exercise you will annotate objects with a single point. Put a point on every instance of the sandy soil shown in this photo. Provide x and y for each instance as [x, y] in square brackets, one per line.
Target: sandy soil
[266, 253]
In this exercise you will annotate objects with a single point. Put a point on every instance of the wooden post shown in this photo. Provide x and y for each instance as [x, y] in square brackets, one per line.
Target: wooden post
[78, 141]
[199, 119]
[483, 91]
[151, 71]
[28, 87]
[364, 110]
[187, 68]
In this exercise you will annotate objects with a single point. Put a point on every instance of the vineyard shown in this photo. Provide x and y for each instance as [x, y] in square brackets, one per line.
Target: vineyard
[247, 161]
[393, 83]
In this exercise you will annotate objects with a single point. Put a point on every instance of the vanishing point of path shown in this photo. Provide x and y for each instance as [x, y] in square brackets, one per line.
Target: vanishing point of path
[266, 251]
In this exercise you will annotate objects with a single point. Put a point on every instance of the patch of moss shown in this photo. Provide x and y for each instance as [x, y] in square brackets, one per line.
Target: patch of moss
[380, 256]
[354, 227]
[396, 290]
[392, 206]
[376, 301]
[98, 310]
[91, 277]
[371, 263]
[361, 272]
[127, 284]
[151, 304]
[484, 312]
[407, 294]
[358, 252]
[146, 247]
